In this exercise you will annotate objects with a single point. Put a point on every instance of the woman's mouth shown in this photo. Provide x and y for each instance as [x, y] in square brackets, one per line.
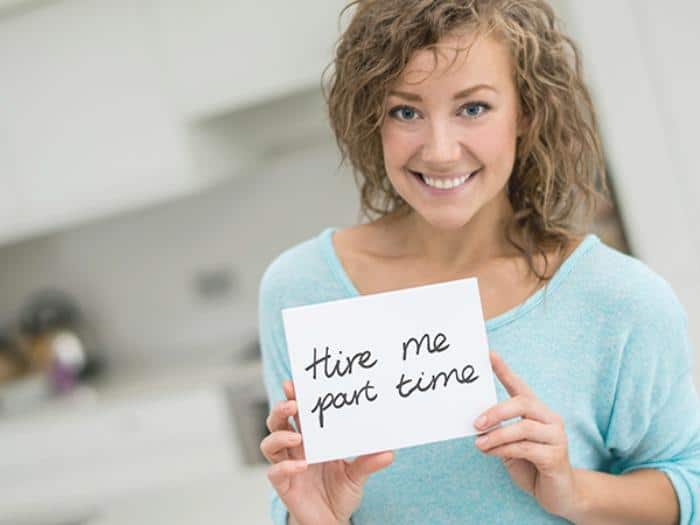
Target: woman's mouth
[444, 185]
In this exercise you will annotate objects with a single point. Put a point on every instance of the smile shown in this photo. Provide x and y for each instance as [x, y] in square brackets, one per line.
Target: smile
[444, 183]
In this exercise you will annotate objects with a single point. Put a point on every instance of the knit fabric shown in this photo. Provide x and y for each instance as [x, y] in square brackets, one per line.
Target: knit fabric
[605, 346]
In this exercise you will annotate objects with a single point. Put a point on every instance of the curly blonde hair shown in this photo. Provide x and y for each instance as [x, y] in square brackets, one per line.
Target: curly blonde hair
[558, 176]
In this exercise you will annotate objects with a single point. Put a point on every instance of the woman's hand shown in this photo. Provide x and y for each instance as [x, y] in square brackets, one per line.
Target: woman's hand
[322, 493]
[535, 449]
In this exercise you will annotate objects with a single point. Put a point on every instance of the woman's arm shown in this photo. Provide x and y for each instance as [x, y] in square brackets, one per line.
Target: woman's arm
[653, 437]
[644, 496]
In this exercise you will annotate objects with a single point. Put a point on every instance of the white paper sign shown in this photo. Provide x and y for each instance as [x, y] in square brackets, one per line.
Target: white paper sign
[389, 370]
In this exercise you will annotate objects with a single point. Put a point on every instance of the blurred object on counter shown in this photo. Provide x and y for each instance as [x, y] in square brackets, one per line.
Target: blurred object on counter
[52, 325]
[13, 362]
[69, 360]
[48, 354]
[48, 309]
[54, 341]
[19, 388]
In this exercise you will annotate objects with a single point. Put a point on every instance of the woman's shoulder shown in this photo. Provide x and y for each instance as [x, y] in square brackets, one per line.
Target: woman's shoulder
[300, 273]
[294, 258]
[623, 298]
[624, 285]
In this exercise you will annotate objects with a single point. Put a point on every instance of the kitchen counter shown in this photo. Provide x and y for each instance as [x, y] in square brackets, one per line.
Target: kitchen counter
[136, 447]
[124, 383]
[222, 500]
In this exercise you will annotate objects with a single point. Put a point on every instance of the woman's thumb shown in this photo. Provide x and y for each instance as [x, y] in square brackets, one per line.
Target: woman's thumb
[363, 466]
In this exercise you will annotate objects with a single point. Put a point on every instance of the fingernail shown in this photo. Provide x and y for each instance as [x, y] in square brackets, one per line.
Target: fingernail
[481, 440]
[480, 422]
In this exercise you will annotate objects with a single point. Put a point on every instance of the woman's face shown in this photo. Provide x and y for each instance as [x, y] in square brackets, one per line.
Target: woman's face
[449, 136]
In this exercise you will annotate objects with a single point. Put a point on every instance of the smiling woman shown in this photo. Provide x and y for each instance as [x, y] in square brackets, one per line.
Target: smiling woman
[499, 95]
[451, 134]
[474, 142]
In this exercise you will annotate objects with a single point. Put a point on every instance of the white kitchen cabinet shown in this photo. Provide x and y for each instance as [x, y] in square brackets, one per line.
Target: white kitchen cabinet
[115, 448]
[140, 446]
[86, 126]
[227, 500]
[90, 460]
[103, 100]
[221, 54]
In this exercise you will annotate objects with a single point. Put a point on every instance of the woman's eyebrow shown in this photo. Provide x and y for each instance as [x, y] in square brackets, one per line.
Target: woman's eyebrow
[462, 94]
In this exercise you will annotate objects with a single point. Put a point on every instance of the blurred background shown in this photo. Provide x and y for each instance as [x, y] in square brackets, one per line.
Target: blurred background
[155, 156]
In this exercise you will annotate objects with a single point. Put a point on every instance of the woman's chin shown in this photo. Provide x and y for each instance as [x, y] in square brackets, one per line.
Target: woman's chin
[446, 222]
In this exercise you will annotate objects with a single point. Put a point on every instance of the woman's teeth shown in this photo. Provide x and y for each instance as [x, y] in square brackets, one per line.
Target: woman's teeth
[445, 184]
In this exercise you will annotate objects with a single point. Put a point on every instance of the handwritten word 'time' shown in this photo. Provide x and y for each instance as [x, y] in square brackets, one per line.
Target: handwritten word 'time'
[332, 367]
[423, 384]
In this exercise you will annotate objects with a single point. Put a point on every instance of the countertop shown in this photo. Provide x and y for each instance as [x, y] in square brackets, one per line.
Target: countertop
[138, 446]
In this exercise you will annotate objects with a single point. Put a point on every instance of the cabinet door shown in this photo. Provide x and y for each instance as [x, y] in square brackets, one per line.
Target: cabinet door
[221, 54]
[227, 500]
[85, 127]
[81, 459]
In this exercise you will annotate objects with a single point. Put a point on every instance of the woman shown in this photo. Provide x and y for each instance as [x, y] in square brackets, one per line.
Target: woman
[472, 134]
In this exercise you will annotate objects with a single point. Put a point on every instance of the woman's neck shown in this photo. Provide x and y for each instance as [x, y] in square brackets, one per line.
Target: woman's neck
[480, 240]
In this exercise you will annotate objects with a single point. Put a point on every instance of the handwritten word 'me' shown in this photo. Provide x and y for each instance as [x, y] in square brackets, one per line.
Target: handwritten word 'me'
[437, 345]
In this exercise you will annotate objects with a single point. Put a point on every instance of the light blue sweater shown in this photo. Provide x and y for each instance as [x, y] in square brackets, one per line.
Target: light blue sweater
[607, 349]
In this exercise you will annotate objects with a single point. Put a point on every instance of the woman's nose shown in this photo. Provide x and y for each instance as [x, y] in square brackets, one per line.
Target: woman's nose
[441, 145]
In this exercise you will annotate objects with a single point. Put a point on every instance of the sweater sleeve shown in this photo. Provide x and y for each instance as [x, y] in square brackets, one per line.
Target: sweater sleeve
[275, 361]
[655, 415]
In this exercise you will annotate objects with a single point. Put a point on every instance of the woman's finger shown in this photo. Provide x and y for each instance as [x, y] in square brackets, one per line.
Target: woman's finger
[289, 391]
[510, 380]
[280, 474]
[278, 417]
[363, 466]
[288, 388]
[544, 457]
[275, 446]
[527, 429]
[519, 406]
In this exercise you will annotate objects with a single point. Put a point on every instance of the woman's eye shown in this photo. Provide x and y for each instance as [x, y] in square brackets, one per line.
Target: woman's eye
[403, 113]
[475, 109]
[407, 113]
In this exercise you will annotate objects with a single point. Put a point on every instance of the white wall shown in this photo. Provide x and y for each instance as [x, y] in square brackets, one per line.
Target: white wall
[98, 96]
[134, 274]
[641, 62]
[87, 127]
[670, 40]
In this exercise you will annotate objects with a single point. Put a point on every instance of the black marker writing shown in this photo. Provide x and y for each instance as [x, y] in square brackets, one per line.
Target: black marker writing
[436, 346]
[328, 366]
[341, 399]
[461, 377]
[337, 367]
